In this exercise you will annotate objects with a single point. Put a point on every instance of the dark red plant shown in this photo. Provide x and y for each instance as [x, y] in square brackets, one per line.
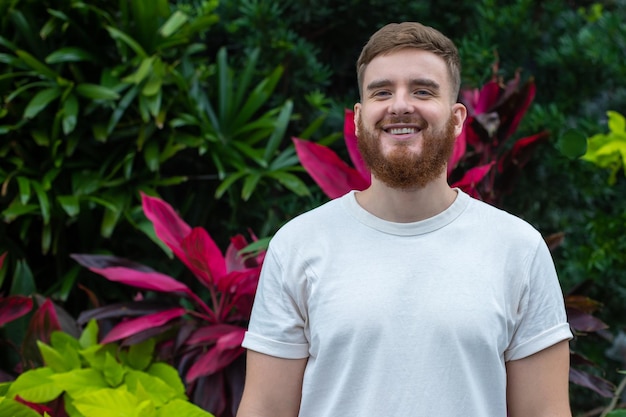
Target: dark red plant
[201, 338]
[482, 163]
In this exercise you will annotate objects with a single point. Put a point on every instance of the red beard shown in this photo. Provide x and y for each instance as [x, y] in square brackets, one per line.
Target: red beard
[402, 168]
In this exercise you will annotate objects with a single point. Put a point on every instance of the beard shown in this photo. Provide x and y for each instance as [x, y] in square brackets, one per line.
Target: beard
[402, 168]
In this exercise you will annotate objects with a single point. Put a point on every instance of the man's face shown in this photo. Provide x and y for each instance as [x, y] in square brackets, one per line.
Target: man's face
[407, 121]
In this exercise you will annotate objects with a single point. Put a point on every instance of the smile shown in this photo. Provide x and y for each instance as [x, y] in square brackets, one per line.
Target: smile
[402, 130]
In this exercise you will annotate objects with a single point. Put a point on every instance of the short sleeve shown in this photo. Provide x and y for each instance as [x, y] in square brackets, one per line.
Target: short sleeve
[277, 322]
[542, 321]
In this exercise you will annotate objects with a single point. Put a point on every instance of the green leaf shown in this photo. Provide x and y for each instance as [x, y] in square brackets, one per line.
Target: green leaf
[35, 386]
[617, 413]
[23, 184]
[182, 408]
[108, 402]
[227, 183]
[140, 354]
[79, 381]
[279, 132]
[291, 182]
[40, 101]
[572, 144]
[59, 361]
[37, 65]
[89, 336]
[70, 54]
[23, 282]
[70, 204]
[175, 22]
[249, 185]
[133, 44]
[70, 114]
[169, 375]
[44, 202]
[10, 407]
[17, 209]
[96, 92]
[113, 371]
[159, 392]
[144, 70]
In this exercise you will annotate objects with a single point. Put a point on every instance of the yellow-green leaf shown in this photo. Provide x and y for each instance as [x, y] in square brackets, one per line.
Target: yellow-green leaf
[36, 386]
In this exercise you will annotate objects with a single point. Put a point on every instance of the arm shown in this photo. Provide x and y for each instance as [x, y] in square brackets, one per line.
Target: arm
[273, 386]
[537, 386]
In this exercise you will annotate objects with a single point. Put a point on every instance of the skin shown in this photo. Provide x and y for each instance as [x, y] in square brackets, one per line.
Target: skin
[412, 84]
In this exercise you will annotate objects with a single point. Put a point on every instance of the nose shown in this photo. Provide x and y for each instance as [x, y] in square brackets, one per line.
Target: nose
[401, 104]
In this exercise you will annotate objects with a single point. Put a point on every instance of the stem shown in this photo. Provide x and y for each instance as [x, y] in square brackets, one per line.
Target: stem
[615, 399]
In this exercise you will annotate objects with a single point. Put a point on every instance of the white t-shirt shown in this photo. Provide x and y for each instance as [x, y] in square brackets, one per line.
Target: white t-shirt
[406, 319]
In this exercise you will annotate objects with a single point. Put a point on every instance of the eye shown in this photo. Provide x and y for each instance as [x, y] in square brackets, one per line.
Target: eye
[422, 93]
[381, 94]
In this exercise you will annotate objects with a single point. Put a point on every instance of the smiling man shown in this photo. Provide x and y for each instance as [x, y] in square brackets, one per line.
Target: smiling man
[407, 299]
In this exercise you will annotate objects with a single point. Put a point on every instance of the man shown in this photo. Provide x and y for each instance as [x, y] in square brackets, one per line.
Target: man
[407, 299]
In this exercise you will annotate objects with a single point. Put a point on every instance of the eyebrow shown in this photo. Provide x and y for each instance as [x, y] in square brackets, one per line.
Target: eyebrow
[416, 82]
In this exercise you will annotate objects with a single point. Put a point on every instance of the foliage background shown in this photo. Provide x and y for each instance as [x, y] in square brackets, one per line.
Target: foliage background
[76, 189]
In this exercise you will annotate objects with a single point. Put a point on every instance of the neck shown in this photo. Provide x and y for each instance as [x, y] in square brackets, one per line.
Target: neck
[405, 206]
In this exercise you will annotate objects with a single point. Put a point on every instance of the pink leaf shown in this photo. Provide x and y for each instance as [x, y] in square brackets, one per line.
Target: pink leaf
[225, 351]
[168, 226]
[528, 95]
[460, 147]
[521, 152]
[349, 134]
[332, 174]
[14, 307]
[209, 334]
[473, 176]
[154, 281]
[45, 321]
[488, 97]
[203, 257]
[134, 326]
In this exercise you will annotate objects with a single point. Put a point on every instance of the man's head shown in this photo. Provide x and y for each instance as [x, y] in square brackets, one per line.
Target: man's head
[396, 36]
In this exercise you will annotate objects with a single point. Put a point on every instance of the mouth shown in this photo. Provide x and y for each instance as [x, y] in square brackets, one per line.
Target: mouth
[401, 130]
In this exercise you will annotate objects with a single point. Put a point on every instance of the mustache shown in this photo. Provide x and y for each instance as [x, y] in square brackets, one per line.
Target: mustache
[404, 119]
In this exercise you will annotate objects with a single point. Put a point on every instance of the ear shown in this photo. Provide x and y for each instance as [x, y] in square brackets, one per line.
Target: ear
[357, 117]
[459, 114]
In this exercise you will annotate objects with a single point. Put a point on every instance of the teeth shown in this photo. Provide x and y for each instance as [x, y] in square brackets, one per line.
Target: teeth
[402, 131]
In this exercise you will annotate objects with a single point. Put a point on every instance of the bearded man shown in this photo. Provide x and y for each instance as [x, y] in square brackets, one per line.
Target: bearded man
[407, 299]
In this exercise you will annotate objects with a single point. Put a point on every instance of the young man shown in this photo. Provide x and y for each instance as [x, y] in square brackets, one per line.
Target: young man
[407, 299]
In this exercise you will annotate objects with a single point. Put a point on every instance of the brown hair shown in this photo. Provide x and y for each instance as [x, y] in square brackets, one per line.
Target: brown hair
[396, 36]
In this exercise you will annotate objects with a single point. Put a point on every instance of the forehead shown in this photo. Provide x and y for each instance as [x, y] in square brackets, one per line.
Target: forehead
[406, 65]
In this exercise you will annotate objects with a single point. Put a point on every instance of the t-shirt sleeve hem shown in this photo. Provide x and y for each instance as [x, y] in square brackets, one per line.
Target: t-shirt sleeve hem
[540, 342]
[275, 348]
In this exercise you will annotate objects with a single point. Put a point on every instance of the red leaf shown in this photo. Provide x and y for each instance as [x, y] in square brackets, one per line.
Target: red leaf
[44, 322]
[14, 307]
[168, 226]
[225, 351]
[349, 134]
[39, 408]
[473, 176]
[332, 174]
[203, 257]
[209, 334]
[134, 326]
[488, 97]
[460, 146]
[154, 281]
[521, 152]
[522, 100]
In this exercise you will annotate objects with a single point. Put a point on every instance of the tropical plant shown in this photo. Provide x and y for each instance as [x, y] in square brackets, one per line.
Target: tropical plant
[203, 340]
[608, 150]
[82, 378]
